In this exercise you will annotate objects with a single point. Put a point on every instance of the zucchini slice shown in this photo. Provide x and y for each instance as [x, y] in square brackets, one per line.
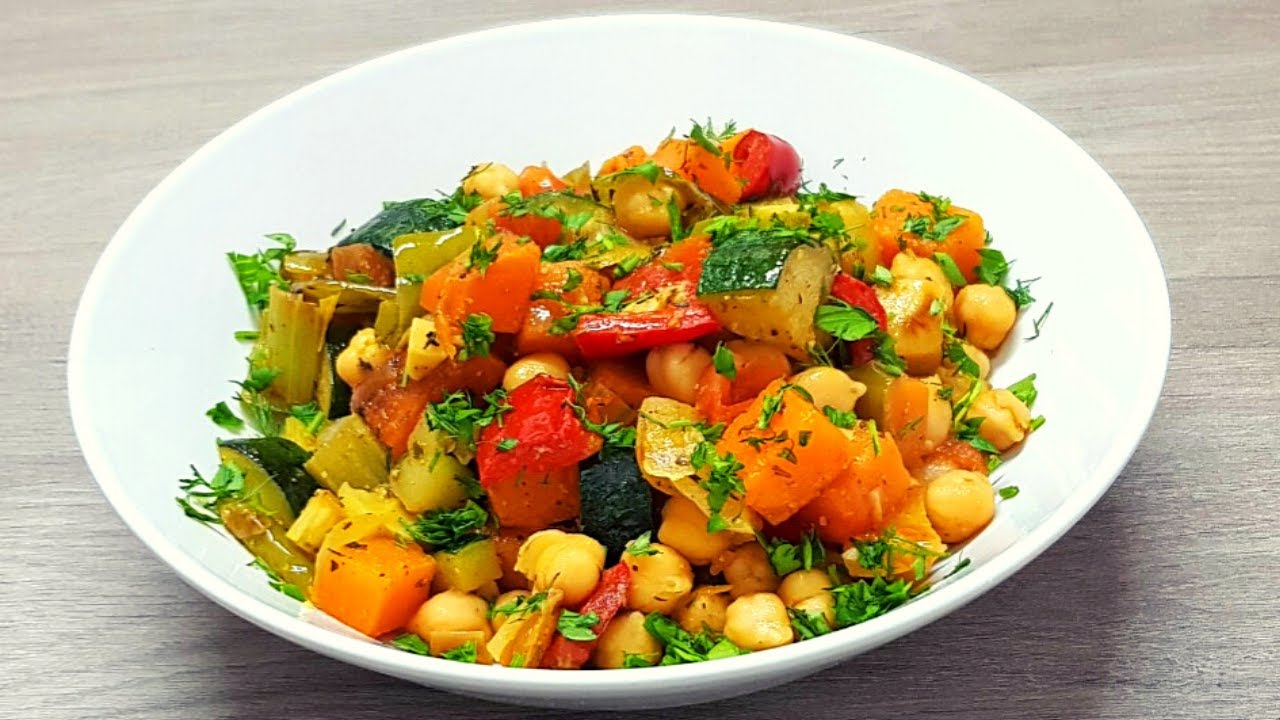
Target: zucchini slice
[333, 394]
[348, 453]
[616, 505]
[273, 474]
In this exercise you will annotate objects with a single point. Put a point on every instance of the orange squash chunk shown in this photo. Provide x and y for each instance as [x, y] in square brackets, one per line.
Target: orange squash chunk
[374, 585]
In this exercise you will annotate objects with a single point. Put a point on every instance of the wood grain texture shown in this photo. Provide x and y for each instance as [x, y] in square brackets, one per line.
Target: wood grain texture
[1161, 603]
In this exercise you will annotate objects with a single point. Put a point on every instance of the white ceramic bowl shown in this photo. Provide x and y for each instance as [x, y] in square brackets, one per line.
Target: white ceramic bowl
[152, 347]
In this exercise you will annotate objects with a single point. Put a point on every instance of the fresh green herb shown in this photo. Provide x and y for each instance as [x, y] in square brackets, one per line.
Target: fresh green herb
[247, 335]
[840, 418]
[993, 462]
[517, 660]
[1021, 294]
[260, 378]
[967, 431]
[411, 643]
[936, 307]
[881, 276]
[450, 530]
[992, 268]
[277, 583]
[810, 201]
[466, 652]
[521, 606]
[222, 416]
[941, 205]
[808, 625]
[477, 335]
[259, 272]
[707, 137]
[953, 351]
[577, 626]
[878, 554]
[632, 660]
[572, 281]
[845, 321]
[937, 227]
[683, 647]
[673, 218]
[723, 227]
[200, 496]
[771, 405]
[482, 256]
[642, 546]
[964, 563]
[827, 224]
[875, 436]
[649, 170]
[1036, 423]
[614, 434]
[575, 250]
[887, 357]
[412, 216]
[950, 269]
[1025, 390]
[1039, 322]
[259, 413]
[310, 415]
[787, 558]
[858, 602]
[1010, 492]
[722, 360]
[674, 266]
[459, 418]
[627, 265]
[507, 444]
[719, 478]
[614, 299]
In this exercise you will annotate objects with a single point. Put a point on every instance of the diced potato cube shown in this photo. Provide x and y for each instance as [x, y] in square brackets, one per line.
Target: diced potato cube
[317, 518]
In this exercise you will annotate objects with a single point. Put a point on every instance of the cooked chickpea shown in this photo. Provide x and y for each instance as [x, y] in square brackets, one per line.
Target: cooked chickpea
[1005, 419]
[659, 581]
[802, 585]
[491, 180]
[624, 636]
[674, 370]
[959, 504]
[362, 356]
[985, 313]
[641, 207]
[906, 266]
[705, 609]
[684, 528]
[758, 621]
[824, 604]
[573, 568]
[937, 421]
[829, 387]
[747, 570]
[510, 597]
[451, 610]
[531, 366]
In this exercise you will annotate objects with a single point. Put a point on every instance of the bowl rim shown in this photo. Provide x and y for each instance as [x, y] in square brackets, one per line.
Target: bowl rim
[825, 650]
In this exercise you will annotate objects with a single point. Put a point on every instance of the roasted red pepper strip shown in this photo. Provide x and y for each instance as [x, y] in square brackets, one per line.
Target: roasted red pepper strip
[860, 295]
[766, 164]
[610, 335]
[540, 433]
[607, 599]
[679, 263]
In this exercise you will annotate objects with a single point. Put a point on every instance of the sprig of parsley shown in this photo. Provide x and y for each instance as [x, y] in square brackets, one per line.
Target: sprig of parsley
[719, 478]
[277, 583]
[845, 321]
[450, 530]
[684, 647]
[310, 415]
[787, 558]
[642, 546]
[723, 362]
[222, 416]
[259, 272]
[858, 602]
[577, 626]
[410, 642]
[200, 497]
[477, 335]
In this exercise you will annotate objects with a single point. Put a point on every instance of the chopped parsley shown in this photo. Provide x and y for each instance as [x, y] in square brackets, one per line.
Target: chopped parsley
[858, 602]
[953, 351]
[466, 652]
[1038, 323]
[247, 335]
[881, 276]
[575, 250]
[950, 269]
[642, 546]
[310, 415]
[684, 647]
[967, 430]
[887, 357]
[787, 558]
[719, 478]
[1025, 390]
[673, 218]
[878, 555]
[722, 360]
[482, 256]
[627, 265]
[840, 418]
[708, 139]
[260, 378]
[993, 268]
[521, 606]
[457, 416]
[937, 227]
[201, 496]
[649, 170]
[1021, 294]
[222, 416]
[1010, 492]
[572, 281]
[846, 322]
[477, 335]
[450, 530]
[277, 583]
[577, 626]
[808, 625]
[259, 272]
[409, 642]
[507, 444]
[632, 660]
[810, 201]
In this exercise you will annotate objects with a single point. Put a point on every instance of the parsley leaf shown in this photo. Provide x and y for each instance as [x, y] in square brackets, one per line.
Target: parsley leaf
[674, 219]
[627, 265]
[573, 279]
[845, 321]
[259, 272]
[642, 546]
[247, 335]
[200, 496]
[722, 360]
[1025, 390]
[477, 335]
[684, 647]
[450, 530]
[808, 625]
[649, 170]
[950, 269]
[310, 415]
[858, 602]
[632, 660]
[409, 642]
[840, 418]
[881, 276]
[887, 357]
[1021, 294]
[707, 137]
[1010, 492]
[522, 605]
[459, 418]
[953, 351]
[878, 554]
[507, 444]
[222, 416]
[482, 256]
[993, 268]
[466, 652]
[719, 478]
[277, 583]
[576, 626]
[787, 558]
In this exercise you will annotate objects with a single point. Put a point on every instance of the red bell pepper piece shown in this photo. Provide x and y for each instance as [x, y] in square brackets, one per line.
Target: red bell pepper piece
[860, 295]
[541, 433]
[609, 335]
[766, 164]
[679, 263]
[608, 598]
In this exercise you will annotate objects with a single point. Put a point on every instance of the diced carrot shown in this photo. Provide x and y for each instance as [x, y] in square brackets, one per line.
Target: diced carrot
[537, 501]
[363, 264]
[792, 459]
[536, 334]
[895, 207]
[911, 526]
[720, 399]
[501, 290]
[543, 231]
[626, 378]
[629, 158]
[871, 488]
[714, 174]
[672, 154]
[537, 179]
[906, 410]
[374, 585]
[392, 409]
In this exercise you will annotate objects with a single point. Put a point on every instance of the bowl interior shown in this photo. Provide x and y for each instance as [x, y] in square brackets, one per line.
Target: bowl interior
[152, 347]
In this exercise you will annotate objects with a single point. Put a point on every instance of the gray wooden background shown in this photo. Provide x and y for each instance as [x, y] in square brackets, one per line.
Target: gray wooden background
[1160, 604]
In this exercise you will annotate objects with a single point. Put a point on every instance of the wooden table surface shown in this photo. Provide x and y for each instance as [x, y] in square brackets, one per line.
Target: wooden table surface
[1160, 603]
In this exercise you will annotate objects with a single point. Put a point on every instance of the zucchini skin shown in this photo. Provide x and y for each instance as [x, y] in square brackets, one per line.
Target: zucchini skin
[749, 260]
[616, 504]
[281, 460]
[410, 216]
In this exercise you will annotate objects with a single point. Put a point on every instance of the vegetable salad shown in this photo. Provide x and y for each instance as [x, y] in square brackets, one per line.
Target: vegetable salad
[684, 408]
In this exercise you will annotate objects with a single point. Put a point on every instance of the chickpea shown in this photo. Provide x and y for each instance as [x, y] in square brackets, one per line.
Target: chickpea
[491, 180]
[959, 504]
[985, 314]
[362, 356]
[574, 568]
[802, 585]
[673, 370]
[747, 570]
[659, 581]
[830, 387]
[937, 421]
[684, 528]
[705, 609]
[824, 604]
[624, 636]
[1005, 419]
[758, 621]
[641, 207]
[451, 610]
[510, 597]
[531, 366]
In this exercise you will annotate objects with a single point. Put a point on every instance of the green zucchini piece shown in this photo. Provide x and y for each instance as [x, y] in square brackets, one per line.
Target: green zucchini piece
[333, 394]
[615, 503]
[429, 477]
[750, 259]
[412, 216]
[348, 453]
[274, 478]
[269, 542]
